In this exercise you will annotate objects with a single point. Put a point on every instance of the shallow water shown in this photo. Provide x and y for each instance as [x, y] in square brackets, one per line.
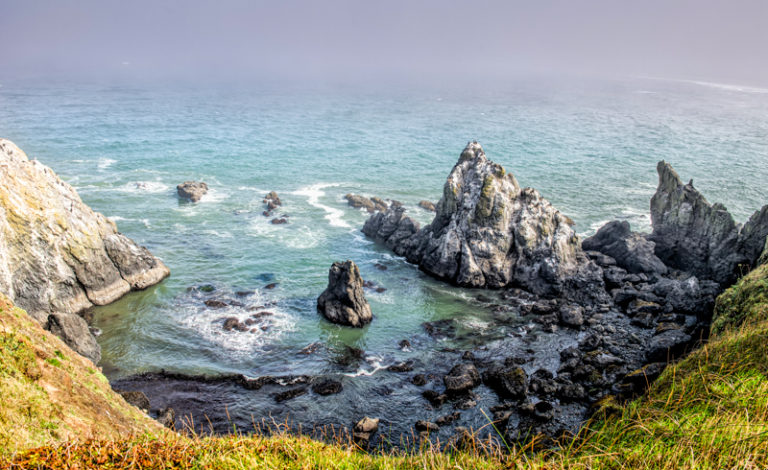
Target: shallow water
[589, 147]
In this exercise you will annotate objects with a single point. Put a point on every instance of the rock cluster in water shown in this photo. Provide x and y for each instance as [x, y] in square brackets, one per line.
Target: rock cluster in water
[490, 232]
[343, 302]
[192, 190]
[57, 256]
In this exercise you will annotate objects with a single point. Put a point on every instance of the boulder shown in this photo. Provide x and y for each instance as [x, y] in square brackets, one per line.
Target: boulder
[461, 379]
[73, 330]
[136, 398]
[343, 301]
[57, 256]
[363, 430]
[327, 386]
[192, 190]
[490, 232]
[628, 250]
[572, 315]
[167, 417]
[362, 202]
[272, 200]
[507, 382]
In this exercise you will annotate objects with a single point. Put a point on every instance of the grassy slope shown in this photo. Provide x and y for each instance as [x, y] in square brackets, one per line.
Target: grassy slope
[50, 394]
[709, 411]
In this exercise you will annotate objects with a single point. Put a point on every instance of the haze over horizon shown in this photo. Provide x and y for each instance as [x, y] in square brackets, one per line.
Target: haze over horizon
[396, 41]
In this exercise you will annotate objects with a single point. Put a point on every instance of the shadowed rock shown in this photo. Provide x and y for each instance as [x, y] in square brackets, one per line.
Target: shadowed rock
[57, 256]
[489, 232]
[702, 238]
[343, 302]
[192, 190]
[630, 251]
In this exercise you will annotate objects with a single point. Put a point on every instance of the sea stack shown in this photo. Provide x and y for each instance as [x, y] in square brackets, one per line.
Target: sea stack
[489, 232]
[343, 302]
[57, 256]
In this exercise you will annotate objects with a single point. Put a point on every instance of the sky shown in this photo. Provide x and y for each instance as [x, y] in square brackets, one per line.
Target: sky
[391, 40]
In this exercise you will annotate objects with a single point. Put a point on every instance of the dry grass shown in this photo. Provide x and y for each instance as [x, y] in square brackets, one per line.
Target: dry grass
[709, 411]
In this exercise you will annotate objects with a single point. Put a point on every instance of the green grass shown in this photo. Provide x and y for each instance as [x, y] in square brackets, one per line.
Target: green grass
[708, 411]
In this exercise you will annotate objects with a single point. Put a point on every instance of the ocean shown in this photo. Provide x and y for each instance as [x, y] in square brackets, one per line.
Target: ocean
[589, 146]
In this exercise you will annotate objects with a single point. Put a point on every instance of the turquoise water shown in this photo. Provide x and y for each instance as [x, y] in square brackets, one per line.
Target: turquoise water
[589, 147]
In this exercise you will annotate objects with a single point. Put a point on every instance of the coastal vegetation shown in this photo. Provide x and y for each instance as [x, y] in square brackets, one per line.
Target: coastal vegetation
[708, 411]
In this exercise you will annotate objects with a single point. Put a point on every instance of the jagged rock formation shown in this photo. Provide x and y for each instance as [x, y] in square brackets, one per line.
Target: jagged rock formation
[702, 238]
[343, 302]
[192, 190]
[488, 232]
[632, 251]
[57, 256]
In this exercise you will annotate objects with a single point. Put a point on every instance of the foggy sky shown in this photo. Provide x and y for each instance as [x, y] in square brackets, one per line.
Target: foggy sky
[384, 40]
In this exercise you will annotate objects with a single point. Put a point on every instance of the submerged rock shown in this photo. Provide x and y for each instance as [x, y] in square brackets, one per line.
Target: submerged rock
[343, 302]
[702, 238]
[489, 232]
[192, 190]
[58, 256]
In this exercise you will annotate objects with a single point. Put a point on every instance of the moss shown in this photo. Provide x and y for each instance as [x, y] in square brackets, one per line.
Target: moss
[53, 361]
[484, 207]
[746, 302]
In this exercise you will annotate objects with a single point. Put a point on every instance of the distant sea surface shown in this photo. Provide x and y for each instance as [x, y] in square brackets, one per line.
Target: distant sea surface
[590, 147]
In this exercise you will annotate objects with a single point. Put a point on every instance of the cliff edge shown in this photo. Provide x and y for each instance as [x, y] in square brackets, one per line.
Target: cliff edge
[57, 256]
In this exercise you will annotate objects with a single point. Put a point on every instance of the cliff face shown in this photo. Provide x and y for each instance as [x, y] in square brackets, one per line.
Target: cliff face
[488, 232]
[702, 238]
[57, 256]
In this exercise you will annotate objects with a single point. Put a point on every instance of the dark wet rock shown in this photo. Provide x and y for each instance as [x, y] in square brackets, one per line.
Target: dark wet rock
[614, 277]
[233, 323]
[74, 331]
[507, 382]
[631, 251]
[380, 267]
[167, 417]
[702, 238]
[668, 345]
[542, 410]
[602, 260]
[427, 205]
[244, 293]
[262, 314]
[489, 232]
[571, 392]
[542, 383]
[270, 286]
[461, 379]
[465, 403]
[572, 315]
[440, 328]
[213, 303]
[349, 356]
[192, 190]
[406, 366]
[641, 379]
[272, 200]
[468, 356]
[422, 425]
[448, 419]
[404, 344]
[689, 295]
[343, 302]
[204, 288]
[327, 386]
[638, 306]
[364, 430]
[419, 380]
[436, 399]
[279, 221]
[290, 394]
[135, 398]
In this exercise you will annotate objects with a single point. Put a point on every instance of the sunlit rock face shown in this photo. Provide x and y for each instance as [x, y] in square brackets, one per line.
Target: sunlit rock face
[57, 256]
[488, 232]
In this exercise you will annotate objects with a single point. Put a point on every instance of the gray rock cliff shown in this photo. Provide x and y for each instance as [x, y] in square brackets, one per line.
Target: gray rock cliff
[488, 232]
[57, 256]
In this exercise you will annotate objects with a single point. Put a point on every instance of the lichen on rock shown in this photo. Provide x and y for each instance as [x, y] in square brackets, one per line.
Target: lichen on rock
[58, 256]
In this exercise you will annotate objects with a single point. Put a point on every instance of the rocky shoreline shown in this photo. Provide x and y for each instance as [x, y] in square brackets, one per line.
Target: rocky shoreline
[577, 325]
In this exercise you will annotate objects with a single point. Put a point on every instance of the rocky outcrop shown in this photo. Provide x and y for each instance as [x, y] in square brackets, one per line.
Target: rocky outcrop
[427, 206]
[369, 204]
[631, 251]
[343, 302]
[57, 256]
[489, 232]
[702, 238]
[192, 190]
